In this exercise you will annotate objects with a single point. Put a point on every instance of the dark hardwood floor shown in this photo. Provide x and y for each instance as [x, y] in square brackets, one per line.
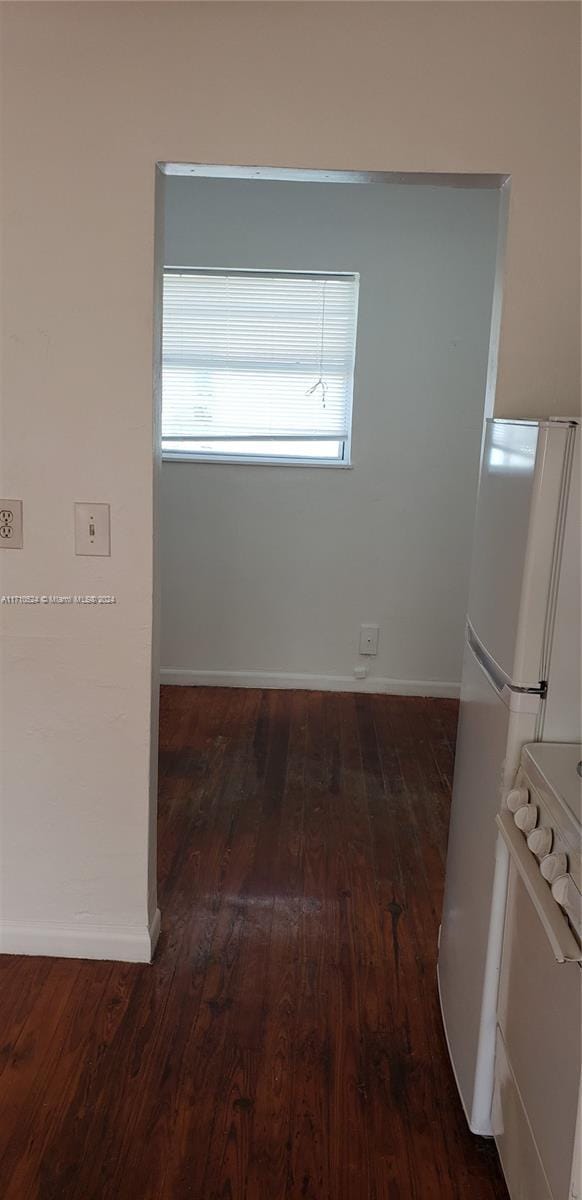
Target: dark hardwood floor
[286, 1043]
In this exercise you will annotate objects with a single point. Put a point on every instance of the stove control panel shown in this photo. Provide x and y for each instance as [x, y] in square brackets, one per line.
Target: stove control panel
[557, 860]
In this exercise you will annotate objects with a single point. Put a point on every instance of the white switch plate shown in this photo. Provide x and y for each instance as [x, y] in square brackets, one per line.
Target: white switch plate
[369, 639]
[92, 529]
[10, 524]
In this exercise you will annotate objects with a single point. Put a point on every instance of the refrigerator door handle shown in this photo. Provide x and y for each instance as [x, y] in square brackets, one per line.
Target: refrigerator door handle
[497, 678]
[518, 699]
[523, 700]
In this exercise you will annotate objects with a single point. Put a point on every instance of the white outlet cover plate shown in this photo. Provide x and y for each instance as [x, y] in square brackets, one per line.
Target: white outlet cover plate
[92, 529]
[369, 639]
[10, 524]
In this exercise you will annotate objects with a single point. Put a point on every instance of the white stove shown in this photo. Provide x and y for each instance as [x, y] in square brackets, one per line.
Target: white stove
[539, 1010]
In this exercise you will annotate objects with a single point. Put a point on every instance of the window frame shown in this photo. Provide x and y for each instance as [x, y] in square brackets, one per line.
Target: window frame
[344, 459]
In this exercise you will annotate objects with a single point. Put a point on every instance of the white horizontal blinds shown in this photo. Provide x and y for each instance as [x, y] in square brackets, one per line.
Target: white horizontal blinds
[249, 355]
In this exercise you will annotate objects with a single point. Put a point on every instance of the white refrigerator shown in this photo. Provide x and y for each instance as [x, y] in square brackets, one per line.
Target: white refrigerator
[520, 683]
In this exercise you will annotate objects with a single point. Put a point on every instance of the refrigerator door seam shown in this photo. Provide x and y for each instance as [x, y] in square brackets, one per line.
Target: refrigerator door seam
[549, 624]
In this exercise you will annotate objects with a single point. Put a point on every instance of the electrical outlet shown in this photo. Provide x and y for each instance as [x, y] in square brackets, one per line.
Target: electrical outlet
[92, 534]
[369, 639]
[10, 524]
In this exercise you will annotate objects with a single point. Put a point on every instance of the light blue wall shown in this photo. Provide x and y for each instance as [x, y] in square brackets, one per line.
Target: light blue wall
[274, 568]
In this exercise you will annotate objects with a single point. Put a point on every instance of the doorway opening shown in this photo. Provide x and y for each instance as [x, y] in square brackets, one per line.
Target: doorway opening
[317, 319]
[309, 625]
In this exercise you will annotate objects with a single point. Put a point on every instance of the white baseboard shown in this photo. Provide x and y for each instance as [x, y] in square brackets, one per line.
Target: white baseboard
[320, 683]
[110, 942]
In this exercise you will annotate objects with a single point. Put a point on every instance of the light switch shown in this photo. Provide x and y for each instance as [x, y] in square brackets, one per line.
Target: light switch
[92, 529]
[10, 524]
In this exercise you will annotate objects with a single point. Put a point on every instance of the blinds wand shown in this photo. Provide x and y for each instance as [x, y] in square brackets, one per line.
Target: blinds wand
[320, 382]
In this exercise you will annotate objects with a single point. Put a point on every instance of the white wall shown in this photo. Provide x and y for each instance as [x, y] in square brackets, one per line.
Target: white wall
[92, 96]
[272, 569]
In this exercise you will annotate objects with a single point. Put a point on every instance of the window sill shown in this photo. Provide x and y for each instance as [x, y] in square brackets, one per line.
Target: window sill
[233, 461]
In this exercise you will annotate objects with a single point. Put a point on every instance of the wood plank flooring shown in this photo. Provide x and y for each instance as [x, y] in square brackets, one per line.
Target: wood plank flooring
[286, 1044]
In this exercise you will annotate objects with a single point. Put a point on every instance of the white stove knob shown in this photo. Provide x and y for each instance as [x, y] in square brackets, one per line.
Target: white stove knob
[526, 818]
[566, 894]
[553, 865]
[517, 798]
[540, 841]
[561, 889]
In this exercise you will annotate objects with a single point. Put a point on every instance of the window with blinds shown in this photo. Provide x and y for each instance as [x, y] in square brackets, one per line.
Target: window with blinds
[258, 366]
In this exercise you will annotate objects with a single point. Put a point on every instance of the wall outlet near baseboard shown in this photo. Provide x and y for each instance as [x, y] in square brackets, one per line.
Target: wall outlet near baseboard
[360, 672]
